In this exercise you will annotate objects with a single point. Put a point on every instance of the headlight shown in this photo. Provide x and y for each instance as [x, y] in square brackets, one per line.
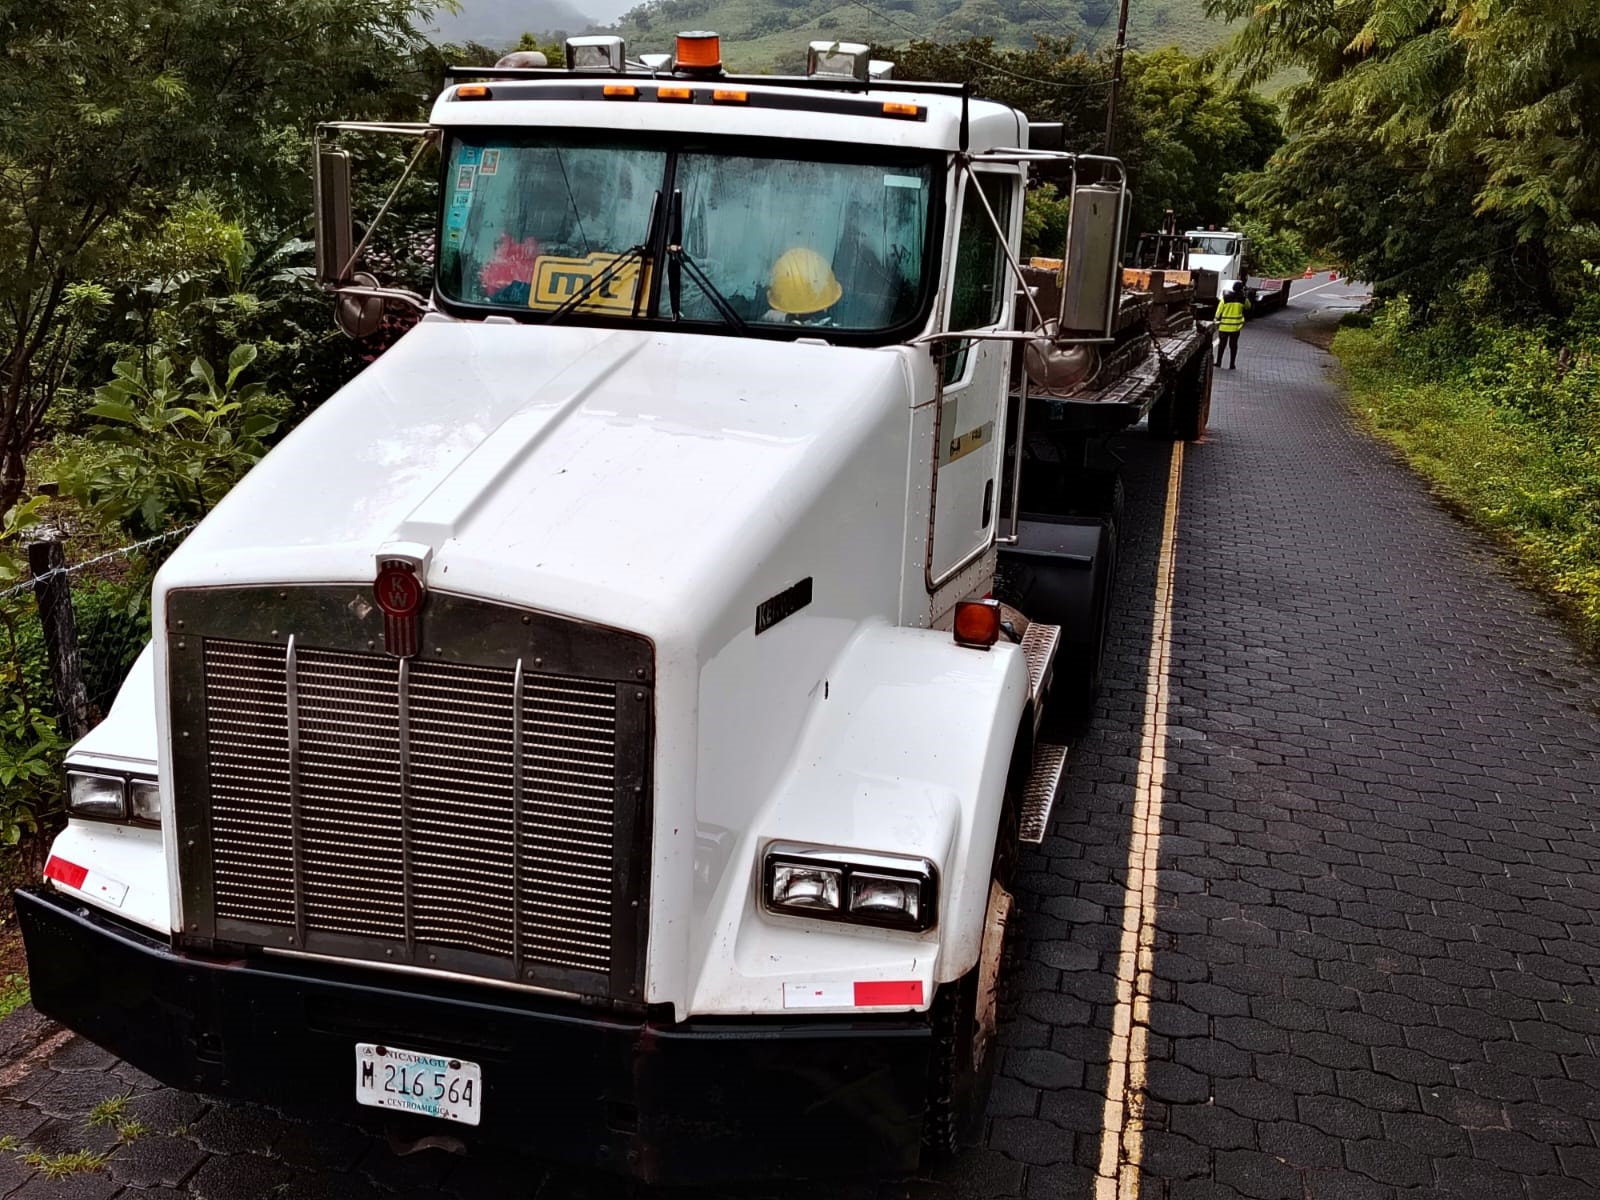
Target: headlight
[144, 800]
[108, 797]
[813, 889]
[838, 885]
[96, 795]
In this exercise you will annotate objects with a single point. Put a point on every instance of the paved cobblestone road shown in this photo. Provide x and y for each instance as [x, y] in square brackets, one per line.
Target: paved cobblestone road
[1378, 965]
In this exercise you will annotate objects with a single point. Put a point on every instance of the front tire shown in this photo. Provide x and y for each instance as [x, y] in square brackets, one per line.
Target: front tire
[965, 1015]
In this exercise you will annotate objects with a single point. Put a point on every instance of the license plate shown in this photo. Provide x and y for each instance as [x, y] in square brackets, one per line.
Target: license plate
[410, 1081]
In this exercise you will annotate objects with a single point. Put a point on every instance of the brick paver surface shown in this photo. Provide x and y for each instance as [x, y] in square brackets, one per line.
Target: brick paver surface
[1378, 957]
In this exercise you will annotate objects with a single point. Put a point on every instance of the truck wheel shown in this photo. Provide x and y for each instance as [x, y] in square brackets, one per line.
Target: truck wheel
[1080, 663]
[1191, 408]
[1159, 422]
[965, 1018]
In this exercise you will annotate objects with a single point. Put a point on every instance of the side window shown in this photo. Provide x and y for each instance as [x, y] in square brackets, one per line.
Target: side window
[981, 276]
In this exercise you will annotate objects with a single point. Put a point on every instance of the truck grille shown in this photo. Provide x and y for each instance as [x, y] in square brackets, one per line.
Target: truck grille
[449, 814]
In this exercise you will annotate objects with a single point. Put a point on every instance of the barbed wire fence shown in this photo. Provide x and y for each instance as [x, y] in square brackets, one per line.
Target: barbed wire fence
[51, 580]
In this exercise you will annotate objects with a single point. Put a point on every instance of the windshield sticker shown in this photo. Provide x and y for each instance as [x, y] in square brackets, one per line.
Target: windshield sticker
[490, 163]
[464, 177]
[557, 280]
[903, 181]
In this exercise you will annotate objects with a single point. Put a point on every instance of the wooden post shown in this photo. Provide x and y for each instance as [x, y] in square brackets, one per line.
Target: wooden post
[47, 560]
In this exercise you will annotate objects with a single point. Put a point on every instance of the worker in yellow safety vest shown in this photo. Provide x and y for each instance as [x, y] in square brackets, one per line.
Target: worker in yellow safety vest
[1230, 322]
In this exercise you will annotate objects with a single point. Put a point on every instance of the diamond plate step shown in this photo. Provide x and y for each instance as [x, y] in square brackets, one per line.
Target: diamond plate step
[1039, 644]
[1039, 797]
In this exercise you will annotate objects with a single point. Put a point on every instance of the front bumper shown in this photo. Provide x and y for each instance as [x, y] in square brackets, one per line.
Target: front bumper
[695, 1102]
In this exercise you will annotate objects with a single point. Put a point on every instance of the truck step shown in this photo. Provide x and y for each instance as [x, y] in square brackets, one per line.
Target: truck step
[1039, 644]
[1039, 797]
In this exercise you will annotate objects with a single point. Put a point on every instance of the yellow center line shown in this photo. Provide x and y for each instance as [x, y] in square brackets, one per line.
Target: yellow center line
[1122, 1123]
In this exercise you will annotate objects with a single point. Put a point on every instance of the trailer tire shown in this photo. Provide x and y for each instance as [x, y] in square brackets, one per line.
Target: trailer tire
[965, 1049]
[1159, 422]
[1191, 407]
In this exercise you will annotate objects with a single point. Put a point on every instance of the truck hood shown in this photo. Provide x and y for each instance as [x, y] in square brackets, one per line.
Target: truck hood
[602, 474]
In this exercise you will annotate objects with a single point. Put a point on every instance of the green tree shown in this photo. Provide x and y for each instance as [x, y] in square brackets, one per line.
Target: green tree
[113, 108]
[1474, 123]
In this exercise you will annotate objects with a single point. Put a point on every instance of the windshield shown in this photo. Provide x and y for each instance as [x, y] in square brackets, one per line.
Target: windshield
[1227, 246]
[541, 223]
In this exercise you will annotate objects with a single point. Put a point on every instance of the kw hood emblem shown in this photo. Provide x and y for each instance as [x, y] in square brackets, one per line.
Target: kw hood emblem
[399, 593]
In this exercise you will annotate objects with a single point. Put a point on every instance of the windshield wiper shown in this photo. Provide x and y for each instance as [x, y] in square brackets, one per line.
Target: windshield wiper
[678, 261]
[634, 254]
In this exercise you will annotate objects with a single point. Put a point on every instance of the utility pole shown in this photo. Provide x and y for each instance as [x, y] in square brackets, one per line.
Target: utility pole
[1116, 81]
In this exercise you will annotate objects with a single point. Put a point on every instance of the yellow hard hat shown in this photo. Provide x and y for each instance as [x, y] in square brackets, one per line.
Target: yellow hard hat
[802, 282]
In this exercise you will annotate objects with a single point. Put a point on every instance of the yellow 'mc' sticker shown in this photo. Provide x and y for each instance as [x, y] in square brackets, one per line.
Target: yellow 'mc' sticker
[558, 280]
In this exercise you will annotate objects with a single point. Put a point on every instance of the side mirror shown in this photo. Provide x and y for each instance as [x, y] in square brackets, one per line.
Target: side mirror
[333, 225]
[1091, 288]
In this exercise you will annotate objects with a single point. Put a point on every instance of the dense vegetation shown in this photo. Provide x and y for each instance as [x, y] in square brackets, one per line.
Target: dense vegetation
[1448, 151]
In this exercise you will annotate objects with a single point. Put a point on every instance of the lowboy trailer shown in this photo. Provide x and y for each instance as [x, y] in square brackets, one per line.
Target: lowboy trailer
[607, 727]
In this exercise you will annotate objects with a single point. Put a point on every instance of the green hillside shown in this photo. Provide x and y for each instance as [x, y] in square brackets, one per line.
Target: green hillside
[761, 35]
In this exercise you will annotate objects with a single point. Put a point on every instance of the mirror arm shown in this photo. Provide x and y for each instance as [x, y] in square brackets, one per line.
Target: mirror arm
[1000, 236]
[383, 209]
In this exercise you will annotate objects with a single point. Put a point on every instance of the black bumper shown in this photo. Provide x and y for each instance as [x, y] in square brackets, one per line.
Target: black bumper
[668, 1103]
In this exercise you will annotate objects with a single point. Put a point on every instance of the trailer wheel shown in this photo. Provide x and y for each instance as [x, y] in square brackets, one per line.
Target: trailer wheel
[964, 1013]
[1191, 407]
[1159, 422]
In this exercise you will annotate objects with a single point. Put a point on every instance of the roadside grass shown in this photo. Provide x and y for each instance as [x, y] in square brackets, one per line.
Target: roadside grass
[63, 1166]
[1532, 482]
[13, 994]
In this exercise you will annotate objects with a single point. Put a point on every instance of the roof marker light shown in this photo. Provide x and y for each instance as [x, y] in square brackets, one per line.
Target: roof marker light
[620, 91]
[473, 91]
[674, 93]
[730, 96]
[700, 51]
[895, 108]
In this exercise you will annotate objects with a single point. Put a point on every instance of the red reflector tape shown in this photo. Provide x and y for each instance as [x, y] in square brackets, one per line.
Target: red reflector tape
[896, 991]
[64, 872]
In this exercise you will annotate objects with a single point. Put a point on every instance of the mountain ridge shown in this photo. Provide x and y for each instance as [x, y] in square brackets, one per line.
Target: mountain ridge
[763, 35]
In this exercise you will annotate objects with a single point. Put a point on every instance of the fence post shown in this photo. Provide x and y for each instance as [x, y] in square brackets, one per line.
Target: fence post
[47, 560]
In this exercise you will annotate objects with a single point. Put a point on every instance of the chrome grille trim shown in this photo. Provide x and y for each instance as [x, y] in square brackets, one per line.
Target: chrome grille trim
[481, 810]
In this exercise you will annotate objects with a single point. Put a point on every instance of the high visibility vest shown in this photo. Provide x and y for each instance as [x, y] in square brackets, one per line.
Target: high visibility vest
[1230, 316]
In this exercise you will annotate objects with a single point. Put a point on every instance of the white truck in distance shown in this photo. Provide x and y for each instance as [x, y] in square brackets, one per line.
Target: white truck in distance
[588, 731]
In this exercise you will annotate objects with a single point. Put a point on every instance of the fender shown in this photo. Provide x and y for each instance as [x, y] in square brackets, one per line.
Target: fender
[129, 863]
[906, 751]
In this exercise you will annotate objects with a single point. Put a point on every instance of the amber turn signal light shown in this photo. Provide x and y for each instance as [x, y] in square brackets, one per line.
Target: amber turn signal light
[977, 623]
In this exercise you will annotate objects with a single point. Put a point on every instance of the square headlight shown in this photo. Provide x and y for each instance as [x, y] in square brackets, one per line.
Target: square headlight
[144, 800]
[90, 794]
[893, 898]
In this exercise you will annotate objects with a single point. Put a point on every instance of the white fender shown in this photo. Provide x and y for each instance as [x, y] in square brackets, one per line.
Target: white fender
[905, 751]
[126, 865]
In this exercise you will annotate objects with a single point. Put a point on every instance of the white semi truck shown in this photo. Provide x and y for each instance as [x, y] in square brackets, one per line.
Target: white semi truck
[594, 731]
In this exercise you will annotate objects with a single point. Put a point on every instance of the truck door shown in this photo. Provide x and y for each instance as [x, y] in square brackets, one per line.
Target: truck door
[976, 377]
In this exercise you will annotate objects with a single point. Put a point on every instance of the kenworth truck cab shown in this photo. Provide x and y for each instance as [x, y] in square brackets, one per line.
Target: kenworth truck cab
[591, 732]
